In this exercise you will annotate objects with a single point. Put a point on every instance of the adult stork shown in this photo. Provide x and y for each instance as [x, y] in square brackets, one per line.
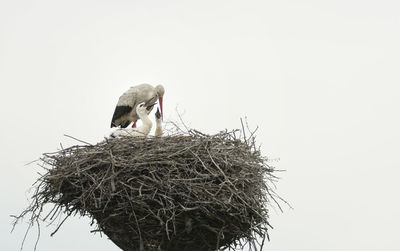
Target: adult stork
[125, 111]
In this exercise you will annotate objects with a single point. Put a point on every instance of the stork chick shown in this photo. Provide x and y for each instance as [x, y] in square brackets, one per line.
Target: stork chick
[159, 130]
[143, 130]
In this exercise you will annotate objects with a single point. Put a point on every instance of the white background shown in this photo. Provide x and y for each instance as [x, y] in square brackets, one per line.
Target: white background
[319, 78]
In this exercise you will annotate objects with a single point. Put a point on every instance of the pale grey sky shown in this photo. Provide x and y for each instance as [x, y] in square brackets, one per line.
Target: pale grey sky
[320, 79]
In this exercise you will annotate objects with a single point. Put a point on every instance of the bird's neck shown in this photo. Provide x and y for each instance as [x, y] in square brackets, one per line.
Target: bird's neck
[158, 122]
[145, 119]
[158, 131]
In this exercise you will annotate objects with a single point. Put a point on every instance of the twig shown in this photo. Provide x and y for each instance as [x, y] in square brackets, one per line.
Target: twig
[84, 142]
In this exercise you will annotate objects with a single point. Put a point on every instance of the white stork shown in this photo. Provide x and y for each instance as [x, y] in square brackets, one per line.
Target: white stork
[143, 130]
[125, 111]
[159, 131]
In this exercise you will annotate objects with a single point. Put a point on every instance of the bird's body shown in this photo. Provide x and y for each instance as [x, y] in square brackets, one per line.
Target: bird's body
[142, 131]
[125, 111]
[159, 130]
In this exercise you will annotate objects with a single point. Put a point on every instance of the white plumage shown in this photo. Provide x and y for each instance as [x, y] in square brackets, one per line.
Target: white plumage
[142, 131]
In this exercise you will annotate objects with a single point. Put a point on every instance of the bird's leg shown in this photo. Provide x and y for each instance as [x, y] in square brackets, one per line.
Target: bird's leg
[134, 124]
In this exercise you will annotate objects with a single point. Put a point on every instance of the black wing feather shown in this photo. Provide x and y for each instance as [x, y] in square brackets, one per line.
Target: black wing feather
[120, 110]
[125, 124]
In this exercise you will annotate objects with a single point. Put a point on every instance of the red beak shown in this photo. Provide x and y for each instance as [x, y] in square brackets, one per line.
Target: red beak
[160, 100]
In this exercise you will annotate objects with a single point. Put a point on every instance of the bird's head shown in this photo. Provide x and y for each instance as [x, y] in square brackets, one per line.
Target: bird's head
[158, 114]
[141, 109]
[160, 90]
[150, 107]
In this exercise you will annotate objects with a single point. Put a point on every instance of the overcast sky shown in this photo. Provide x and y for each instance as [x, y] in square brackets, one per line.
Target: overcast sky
[319, 78]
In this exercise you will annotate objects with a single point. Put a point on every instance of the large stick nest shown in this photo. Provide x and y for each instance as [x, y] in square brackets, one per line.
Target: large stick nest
[180, 192]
